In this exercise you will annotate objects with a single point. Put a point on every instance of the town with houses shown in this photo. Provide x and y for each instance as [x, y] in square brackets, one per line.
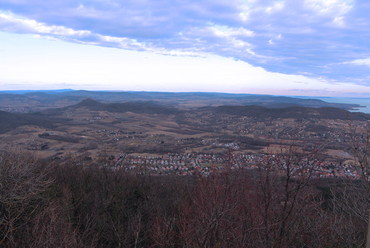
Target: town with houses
[190, 164]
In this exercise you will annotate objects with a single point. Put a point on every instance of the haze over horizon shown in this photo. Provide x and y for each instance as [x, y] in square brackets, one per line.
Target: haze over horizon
[305, 48]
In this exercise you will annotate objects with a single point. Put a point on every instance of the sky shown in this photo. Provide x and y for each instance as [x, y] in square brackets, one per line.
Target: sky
[287, 47]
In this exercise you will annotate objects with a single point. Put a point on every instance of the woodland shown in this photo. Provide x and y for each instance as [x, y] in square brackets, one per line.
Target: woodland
[76, 203]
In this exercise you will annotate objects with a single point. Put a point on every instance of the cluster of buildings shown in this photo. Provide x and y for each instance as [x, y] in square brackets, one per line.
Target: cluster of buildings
[188, 164]
[117, 134]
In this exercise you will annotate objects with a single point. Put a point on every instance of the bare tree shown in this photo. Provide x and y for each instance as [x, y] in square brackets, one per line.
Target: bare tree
[53, 226]
[22, 183]
[212, 215]
[350, 201]
[285, 197]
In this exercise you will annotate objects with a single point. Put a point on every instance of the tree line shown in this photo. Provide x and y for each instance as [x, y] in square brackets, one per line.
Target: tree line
[77, 203]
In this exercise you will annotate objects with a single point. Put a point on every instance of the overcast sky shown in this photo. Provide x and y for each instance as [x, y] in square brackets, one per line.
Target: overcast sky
[291, 47]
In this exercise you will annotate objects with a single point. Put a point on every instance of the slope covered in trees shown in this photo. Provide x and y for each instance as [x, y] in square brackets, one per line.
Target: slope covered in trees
[74, 203]
[10, 121]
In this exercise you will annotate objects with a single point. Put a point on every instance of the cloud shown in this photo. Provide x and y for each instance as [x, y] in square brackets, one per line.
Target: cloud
[285, 36]
[365, 62]
[12, 24]
[192, 42]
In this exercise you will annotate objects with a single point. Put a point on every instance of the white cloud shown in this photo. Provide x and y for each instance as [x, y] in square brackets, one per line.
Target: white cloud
[225, 31]
[277, 6]
[19, 25]
[330, 7]
[94, 68]
[365, 62]
[285, 36]
[339, 21]
[336, 10]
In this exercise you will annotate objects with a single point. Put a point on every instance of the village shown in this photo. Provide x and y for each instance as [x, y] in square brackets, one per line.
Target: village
[191, 164]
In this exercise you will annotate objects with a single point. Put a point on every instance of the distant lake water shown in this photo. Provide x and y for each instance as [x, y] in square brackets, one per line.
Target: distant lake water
[361, 101]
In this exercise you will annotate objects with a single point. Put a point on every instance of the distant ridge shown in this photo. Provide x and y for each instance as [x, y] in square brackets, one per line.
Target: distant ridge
[149, 107]
[66, 97]
[34, 91]
[255, 111]
[291, 112]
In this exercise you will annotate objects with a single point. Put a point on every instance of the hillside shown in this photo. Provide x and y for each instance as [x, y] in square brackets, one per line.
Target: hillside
[10, 121]
[148, 107]
[290, 112]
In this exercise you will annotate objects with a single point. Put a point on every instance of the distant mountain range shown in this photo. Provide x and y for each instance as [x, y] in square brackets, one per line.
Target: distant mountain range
[36, 100]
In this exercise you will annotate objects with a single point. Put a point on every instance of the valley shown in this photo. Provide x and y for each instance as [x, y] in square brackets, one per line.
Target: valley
[170, 139]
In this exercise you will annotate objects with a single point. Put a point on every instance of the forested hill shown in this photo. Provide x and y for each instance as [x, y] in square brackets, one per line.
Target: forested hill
[148, 107]
[10, 121]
